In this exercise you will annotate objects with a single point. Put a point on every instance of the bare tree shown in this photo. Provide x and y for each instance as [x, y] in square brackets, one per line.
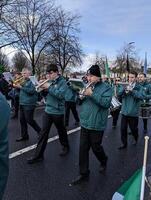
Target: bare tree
[128, 51]
[30, 25]
[4, 64]
[65, 49]
[20, 61]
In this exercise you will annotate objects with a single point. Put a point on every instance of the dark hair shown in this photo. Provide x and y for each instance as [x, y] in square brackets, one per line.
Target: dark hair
[133, 72]
[52, 67]
[141, 73]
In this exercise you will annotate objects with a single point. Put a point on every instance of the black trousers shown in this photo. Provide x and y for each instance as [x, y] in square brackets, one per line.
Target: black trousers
[132, 122]
[145, 124]
[16, 105]
[27, 117]
[48, 120]
[93, 139]
[69, 105]
[115, 115]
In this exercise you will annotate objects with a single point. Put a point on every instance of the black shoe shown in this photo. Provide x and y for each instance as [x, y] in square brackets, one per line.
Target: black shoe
[22, 139]
[64, 152]
[122, 147]
[33, 160]
[79, 179]
[135, 140]
[103, 165]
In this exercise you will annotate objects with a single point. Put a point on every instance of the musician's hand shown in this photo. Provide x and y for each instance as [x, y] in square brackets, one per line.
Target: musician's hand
[45, 86]
[17, 86]
[88, 92]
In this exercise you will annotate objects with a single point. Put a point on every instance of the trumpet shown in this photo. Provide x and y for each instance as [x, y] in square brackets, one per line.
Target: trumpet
[40, 86]
[19, 81]
[81, 93]
[129, 87]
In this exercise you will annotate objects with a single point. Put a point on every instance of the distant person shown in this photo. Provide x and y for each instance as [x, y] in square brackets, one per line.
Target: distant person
[132, 96]
[4, 165]
[147, 90]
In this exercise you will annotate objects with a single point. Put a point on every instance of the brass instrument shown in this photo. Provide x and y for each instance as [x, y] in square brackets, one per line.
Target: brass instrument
[129, 87]
[81, 93]
[19, 81]
[41, 86]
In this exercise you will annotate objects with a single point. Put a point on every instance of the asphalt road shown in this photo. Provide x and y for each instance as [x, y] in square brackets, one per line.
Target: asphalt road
[50, 179]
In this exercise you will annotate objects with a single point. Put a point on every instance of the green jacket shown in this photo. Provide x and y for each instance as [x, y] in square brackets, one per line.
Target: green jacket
[94, 109]
[131, 101]
[71, 94]
[28, 95]
[4, 164]
[146, 90]
[55, 100]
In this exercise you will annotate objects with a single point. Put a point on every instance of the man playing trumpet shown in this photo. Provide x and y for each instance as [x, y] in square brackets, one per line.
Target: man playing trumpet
[27, 101]
[131, 99]
[54, 113]
[93, 119]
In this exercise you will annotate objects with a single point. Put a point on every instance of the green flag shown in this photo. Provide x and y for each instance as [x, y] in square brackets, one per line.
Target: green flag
[130, 190]
[107, 71]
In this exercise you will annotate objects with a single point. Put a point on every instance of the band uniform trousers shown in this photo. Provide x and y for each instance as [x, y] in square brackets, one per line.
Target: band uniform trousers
[27, 117]
[133, 125]
[115, 115]
[69, 105]
[48, 120]
[93, 139]
[145, 124]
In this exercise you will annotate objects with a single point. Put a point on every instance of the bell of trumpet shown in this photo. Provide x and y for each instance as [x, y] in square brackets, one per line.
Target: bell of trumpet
[19, 81]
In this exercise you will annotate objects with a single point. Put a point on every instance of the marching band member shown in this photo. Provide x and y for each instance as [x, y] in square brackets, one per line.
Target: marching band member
[4, 164]
[70, 104]
[131, 99]
[54, 113]
[27, 101]
[93, 119]
[147, 90]
[115, 113]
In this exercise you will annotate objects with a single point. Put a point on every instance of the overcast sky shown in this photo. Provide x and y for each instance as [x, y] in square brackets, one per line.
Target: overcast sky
[107, 24]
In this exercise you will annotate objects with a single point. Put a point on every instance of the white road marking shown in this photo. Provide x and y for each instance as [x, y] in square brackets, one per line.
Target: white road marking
[22, 151]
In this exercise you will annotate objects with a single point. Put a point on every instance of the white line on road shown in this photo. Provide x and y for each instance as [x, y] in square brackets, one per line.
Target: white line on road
[22, 151]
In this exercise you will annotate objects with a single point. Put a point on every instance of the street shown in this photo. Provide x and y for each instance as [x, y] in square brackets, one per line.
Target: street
[49, 180]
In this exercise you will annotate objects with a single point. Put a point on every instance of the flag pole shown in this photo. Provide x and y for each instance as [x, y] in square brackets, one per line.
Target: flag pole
[144, 168]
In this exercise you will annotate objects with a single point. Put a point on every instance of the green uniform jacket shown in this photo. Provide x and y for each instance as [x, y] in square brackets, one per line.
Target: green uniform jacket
[4, 165]
[131, 101]
[71, 94]
[94, 108]
[28, 95]
[146, 90]
[55, 100]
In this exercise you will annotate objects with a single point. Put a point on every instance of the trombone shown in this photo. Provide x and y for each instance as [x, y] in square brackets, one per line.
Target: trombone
[39, 87]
